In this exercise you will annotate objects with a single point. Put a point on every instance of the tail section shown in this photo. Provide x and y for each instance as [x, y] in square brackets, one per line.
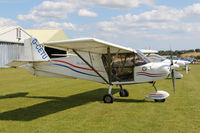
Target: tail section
[33, 52]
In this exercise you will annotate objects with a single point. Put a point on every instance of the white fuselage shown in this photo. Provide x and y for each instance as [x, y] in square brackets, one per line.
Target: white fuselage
[73, 67]
[176, 63]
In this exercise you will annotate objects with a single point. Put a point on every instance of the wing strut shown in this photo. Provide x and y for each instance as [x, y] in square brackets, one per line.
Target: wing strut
[109, 66]
[90, 65]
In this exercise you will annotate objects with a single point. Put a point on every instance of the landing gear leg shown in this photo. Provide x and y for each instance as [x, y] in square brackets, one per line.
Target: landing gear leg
[155, 86]
[157, 100]
[108, 98]
[123, 92]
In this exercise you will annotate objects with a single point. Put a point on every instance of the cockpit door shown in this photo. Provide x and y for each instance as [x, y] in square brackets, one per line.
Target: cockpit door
[122, 66]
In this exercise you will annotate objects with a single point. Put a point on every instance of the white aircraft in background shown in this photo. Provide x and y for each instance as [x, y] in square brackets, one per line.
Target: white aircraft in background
[182, 63]
[95, 60]
[157, 58]
[177, 63]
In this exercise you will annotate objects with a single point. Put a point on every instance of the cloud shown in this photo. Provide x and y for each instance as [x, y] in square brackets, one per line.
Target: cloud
[116, 4]
[59, 9]
[49, 10]
[163, 19]
[87, 13]
[193, 10]
[7, 22]
[52, 24]
[158, 27]
[155, 23]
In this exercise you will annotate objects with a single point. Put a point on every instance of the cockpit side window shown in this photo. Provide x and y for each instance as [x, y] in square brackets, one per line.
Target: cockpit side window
[139, 60]
[55, 53]
[155, 58]
[122, 65]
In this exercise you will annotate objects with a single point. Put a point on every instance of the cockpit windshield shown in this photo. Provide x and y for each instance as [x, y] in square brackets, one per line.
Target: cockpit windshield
[155, 58]
[143, 56]
[173, 57]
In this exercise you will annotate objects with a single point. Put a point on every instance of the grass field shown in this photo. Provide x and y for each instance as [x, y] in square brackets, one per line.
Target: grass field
[30, 104]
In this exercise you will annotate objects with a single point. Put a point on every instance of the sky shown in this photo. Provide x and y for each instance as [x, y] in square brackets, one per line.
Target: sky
[138, 24]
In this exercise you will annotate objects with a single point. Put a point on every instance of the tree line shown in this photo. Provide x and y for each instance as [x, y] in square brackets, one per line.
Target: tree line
[179, 52]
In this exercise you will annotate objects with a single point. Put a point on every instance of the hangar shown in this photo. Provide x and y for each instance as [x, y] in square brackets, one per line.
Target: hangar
[12, 41]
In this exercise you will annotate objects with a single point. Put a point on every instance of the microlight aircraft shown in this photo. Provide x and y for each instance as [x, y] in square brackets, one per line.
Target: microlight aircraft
[177, 63]
[95, 60]
[181, 62]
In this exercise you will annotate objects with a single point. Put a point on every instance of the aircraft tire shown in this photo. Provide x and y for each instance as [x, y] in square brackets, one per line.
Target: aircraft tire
[108, 98]
[124, 93]
[159, 100]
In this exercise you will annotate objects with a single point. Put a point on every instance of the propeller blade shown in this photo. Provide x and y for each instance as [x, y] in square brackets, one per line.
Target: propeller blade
[173, 81]
[172, 72]
[171, 58]
[186, 69]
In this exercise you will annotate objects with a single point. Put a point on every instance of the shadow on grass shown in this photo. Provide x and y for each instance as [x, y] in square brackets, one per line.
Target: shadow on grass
[133, 100]
[15, 95]
[55, 104]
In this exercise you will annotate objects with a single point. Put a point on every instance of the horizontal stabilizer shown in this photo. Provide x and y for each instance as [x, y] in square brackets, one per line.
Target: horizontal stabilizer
[17, 63]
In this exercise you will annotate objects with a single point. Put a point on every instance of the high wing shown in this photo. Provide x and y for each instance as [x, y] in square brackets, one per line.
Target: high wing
[148, 51]
[92, 45]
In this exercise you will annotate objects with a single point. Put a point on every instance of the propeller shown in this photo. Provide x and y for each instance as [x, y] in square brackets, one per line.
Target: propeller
[172, 72]
[186, 69]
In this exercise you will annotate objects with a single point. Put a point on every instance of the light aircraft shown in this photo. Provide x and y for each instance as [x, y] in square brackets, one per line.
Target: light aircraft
[95, 60]
[177, 63]
[182, 62]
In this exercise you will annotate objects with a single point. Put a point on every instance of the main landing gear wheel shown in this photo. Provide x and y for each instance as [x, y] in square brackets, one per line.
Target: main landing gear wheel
[108, 98]
[124, 93]
[159, 100]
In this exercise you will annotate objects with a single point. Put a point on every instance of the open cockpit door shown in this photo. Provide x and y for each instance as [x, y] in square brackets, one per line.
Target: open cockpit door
[123, 65]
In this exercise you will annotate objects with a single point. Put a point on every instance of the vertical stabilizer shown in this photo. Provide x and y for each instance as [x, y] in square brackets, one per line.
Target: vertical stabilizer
[33, 51]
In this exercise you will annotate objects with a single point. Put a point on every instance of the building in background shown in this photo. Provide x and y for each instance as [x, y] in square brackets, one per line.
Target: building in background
[46, 35]
[12, 41]
[11, 44]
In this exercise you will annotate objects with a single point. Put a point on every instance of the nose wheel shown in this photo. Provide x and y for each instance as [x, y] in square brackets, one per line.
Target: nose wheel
[159, 100]
[158, 96]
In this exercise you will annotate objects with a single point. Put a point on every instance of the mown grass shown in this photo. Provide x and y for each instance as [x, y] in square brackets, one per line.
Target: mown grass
[53, 105]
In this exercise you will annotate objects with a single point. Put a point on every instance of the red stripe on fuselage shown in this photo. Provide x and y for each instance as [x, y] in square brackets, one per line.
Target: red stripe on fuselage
[147, 73]
[75, 65]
